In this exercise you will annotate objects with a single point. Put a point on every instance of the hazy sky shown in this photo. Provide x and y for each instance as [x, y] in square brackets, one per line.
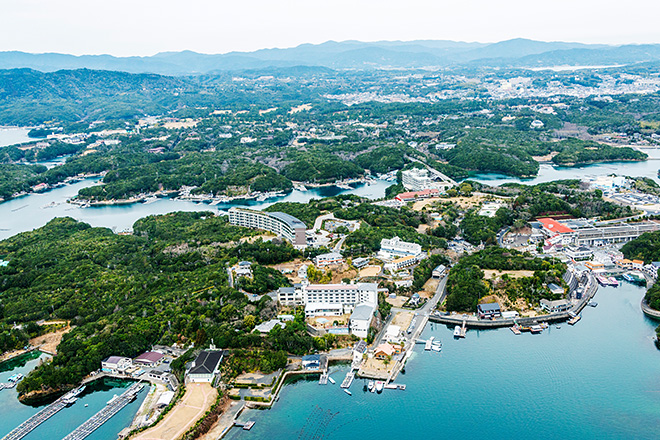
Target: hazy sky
[145, 27]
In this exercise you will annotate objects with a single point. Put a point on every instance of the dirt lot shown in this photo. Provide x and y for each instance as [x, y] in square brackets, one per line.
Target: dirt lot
[429, 288]
[420, 204]
[50, 341]
[399, 301]
[490, 273]
[403, 319]
[198, 399]
[370, 271]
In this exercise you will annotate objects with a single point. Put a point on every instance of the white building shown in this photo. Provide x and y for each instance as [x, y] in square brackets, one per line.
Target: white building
[336, 299]
[560, 305]
[266, 327]
[489, 209]
[279, 223]
[116, 364]
[361, 319]
[205, 367]
[418, 179]
[395, 246]
[328, 259]
[290, 296]
[536, 123]
[243, 269]
[579, 253]
[401, 263]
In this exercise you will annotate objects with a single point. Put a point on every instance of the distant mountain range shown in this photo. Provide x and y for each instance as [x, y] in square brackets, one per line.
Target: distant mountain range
[351, 55]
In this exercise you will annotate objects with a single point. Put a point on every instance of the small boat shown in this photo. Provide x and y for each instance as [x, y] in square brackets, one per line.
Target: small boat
[592, 304]
[457, 331]
[536, 329]
[86, 405]
[613, 282]
[515, 330]
[372, 386]
[436, 347]
[332, 381]
[379, 386]
[558, 326]
[348, 392]
[574, 320]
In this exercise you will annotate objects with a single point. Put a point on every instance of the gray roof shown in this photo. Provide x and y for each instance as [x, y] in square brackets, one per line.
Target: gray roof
[329, 255]
[206, 362]
[286, 289]
[267, 326]
[489, 307]
[289, 219]
[363, 312]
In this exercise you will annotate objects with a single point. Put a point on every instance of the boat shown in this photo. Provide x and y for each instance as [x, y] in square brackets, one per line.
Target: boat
[634, 277]
[602, 280]
[372, 386]
[558, 326]
[15, 378]
[332, 381]
[574, 320]
[379, 386]
[516, 330]
[436, 347]
[348, 392]
[592, 304]
[457, 331]
[613, 282]
[536, 329]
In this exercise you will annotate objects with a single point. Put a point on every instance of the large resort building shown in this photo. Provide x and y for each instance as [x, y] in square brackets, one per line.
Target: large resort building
[279, 223]
[582, 233]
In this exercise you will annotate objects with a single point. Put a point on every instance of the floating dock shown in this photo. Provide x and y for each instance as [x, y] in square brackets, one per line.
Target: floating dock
[323, 380]
[115, 405]
[348, 380]
[30, 424]
[246, 426]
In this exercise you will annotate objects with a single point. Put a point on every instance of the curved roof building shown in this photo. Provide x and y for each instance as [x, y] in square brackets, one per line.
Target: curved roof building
[279, 223]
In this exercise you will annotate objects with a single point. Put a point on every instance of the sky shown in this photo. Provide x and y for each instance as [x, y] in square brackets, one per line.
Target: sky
[146, 27]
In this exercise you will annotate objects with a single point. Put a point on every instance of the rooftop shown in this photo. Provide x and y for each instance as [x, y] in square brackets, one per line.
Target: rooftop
[149, 357]
[206, 362]
[554, 226]
[363, 312]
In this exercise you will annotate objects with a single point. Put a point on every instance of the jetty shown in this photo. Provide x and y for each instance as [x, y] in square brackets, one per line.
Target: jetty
[246, 426]
[114, 405]
[323, 380]
[348, 380]
[30, 424]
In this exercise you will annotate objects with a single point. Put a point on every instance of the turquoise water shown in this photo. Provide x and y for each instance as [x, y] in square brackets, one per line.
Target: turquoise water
[548, 173]
[599, 379]
[13, 413]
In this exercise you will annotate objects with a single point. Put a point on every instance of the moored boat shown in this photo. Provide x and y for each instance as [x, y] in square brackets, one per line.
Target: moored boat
[372, 386]
[379, 386]
[332, 381]
[348, 392]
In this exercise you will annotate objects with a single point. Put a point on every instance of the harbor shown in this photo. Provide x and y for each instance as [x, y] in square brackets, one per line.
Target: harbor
[612, 344]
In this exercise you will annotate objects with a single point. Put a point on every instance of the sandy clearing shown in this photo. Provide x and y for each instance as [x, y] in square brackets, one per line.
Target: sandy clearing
[370, 271]
[198, 399]
[491, 273]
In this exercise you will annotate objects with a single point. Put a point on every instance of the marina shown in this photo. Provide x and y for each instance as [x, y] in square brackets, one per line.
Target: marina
[611, 345]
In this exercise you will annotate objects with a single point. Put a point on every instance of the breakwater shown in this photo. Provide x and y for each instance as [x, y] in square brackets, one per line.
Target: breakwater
[648, 311]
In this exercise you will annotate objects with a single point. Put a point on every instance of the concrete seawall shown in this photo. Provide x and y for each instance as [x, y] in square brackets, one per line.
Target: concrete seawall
[648, 311]
[470, 322]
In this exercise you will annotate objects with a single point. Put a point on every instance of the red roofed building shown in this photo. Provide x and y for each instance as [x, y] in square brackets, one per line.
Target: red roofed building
[148, 359]
[561, 233]
[414, 195]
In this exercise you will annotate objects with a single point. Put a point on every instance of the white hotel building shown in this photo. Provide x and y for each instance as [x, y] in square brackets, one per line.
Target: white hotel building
[329, 299]
[279, 223]
[397, 247]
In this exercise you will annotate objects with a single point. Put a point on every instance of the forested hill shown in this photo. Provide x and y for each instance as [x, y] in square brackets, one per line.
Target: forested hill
[166, 283]
[31, 97]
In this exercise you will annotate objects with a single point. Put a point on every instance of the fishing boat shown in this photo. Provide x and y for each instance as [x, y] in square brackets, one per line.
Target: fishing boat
[536, 329]
[457, 331]
[348, 392]
[613, 282]
[379, 386]
[331, 380]
[372, 386]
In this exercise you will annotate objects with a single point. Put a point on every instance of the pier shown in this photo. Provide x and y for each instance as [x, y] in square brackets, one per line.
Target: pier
[115, 405]
[30, 424]
[348, 380]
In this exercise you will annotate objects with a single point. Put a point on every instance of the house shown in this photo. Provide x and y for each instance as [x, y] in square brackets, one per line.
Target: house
[489, 311]
[594, 267]
[393, 333]
[244, 269]
[149, 359]
[206, 366]
[439, 271]
[290, 296]
[266, 327]
[652, 269]
[414, 299]
[359, 263]
[555, 289]
[311, 362]
[361, 318]
[386, 350]
[579, 253]
[398, 247]
[560, 305]
[401, 263]
[359, 349]
[302, 271]
[624, 263]
[637, 264]
[116, 364]
[328, 259]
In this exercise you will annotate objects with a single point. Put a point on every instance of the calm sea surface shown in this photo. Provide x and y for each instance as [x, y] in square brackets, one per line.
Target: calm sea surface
[14, 135]
[13, 413]
[599, 379]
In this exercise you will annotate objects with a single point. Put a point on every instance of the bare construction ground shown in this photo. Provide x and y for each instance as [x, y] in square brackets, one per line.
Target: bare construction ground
[198, 399]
